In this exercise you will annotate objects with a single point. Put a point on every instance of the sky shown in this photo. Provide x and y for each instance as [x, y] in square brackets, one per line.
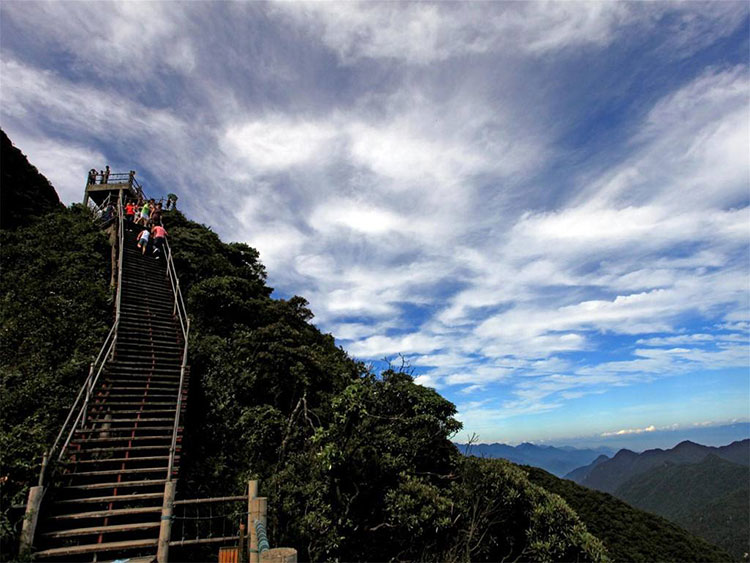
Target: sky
[542, 207]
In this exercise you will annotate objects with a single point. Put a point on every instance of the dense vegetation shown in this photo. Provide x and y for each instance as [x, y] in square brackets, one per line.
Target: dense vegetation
[710, 499]
[629, 534]
[357, 465]
[55, 310]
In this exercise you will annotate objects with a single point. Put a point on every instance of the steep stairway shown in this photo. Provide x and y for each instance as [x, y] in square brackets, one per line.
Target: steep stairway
[108, 504]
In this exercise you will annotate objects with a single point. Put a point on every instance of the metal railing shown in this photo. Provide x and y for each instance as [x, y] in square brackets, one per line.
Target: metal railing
[113, 178]
[80, 405]
[180, 311]
[207, 520]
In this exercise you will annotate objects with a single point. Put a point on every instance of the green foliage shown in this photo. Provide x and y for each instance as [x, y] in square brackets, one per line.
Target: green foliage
[504, 516]
[381, 465]
[55, 307]
[629, 534]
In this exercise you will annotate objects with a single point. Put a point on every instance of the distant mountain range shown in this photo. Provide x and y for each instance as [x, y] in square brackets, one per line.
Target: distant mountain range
[556, 460]
[607, 475]
[704, 489]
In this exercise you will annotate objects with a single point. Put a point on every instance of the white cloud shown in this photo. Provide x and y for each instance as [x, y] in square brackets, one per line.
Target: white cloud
[626, 431]
[356, 216]
[424, 33]
[128, 40]
[276, 143]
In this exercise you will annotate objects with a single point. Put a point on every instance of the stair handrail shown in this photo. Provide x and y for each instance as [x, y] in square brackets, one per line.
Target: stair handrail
[95, 369]
[180, 311]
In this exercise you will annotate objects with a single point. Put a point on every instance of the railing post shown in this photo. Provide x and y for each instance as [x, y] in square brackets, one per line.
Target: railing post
[43, 471]
[252, 495]
[165, 530]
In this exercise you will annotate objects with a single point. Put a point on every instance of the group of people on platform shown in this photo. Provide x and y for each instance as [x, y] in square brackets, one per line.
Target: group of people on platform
[103, 175]
[147, 214]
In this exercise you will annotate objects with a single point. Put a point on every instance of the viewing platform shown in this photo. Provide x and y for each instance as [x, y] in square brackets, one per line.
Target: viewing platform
[101, 187]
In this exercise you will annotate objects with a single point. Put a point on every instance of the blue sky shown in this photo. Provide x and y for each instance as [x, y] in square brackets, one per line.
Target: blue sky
[544, 207]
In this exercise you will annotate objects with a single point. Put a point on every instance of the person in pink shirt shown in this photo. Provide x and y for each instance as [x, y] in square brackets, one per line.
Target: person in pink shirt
[159, 233]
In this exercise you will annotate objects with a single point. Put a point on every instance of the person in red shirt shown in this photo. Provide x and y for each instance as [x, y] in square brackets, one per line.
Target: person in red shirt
[159, 233]
[130, 212]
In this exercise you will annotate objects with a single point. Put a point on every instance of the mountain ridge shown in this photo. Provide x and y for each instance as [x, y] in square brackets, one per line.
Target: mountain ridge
[556, 460]
[612, 473]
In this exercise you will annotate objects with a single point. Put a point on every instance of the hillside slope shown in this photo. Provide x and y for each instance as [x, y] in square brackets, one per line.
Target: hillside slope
[24, 192]
[628, 534]
[581, 473]
[710, 499]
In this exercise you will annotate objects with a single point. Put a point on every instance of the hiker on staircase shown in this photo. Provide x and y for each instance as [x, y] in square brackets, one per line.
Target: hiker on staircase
[143, 240]
[160, 234]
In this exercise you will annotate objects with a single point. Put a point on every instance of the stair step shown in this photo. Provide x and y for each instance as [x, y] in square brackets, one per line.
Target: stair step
[131, 420]
[121, 449]
[156, 366]
[127, 317]
[113, 498]
[147, 369]
[96, 547]
[144, 304]
[102, 530]
[169, 412]
[169, 342]
[107, 513]
[135, 404]
[119, 460]
[120, 393]
[146, 319]
[142, 376]
[115, 485]
[118, 471]
[145, 387]
[147, 352]
[82, 441]
[123, 429]
[131, 288]
[152, 339]
[108, 394]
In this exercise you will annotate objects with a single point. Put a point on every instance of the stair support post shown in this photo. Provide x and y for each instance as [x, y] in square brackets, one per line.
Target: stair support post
[31, 518]
[165, 530]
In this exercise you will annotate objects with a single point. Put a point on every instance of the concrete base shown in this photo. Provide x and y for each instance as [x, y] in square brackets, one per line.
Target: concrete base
[31, 518]
[279, 555]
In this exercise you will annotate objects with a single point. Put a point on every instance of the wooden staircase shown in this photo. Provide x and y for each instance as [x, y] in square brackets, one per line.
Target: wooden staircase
[109, 502]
